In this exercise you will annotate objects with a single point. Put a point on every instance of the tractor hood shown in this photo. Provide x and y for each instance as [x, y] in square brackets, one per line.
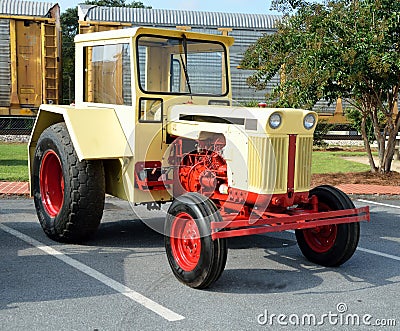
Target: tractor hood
[252, 120]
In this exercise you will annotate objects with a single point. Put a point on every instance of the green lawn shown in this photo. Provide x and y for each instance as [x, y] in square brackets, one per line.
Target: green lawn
[13, 162]
[328, 162]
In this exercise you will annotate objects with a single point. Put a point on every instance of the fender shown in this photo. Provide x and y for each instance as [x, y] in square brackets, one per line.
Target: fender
[96, 133]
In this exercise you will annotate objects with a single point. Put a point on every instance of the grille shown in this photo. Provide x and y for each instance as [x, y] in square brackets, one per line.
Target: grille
[302, 178]
[268, 164]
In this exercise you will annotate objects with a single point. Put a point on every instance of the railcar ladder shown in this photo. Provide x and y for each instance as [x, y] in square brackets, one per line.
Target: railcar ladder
[50, 63]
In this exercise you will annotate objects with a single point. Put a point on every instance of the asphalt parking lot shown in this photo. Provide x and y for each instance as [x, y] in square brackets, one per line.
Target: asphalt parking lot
[121, 280]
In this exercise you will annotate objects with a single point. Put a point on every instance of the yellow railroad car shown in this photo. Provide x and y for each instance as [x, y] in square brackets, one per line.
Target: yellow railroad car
[30, 48]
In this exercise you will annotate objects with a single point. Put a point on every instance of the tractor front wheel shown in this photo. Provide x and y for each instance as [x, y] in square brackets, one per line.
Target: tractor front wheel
[195, 259]
[68, 193]
[329, 245]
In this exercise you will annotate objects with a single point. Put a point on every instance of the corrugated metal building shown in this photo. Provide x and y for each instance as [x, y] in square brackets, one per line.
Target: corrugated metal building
[245, 28]
[30, 69]
[26, 8]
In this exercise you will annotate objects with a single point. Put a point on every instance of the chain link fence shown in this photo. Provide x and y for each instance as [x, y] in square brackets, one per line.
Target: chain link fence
[16, 128]
[327, 134]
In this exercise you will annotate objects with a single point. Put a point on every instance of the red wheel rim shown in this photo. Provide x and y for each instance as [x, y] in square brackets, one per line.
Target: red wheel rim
[321, 238]
[185, 241]
[51, 183]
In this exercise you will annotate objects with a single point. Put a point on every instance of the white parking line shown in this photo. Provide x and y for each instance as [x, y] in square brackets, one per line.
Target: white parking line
[378, 203]
[370, 251]
[131, 294]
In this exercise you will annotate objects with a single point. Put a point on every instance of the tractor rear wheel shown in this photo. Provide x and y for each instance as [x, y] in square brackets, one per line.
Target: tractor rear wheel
[68, 193]
[195, 259]
[329, 245]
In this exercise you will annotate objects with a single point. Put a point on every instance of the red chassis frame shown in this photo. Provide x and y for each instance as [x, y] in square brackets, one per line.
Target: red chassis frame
[240, 225]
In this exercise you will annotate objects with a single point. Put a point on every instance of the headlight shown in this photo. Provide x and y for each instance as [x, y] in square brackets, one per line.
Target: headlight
[275, 120]
[309, 121]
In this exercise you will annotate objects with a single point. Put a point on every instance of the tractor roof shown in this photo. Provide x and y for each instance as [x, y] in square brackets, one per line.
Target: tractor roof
[133, 32]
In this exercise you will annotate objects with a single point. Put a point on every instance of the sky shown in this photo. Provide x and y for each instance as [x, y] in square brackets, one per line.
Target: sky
[230, 6]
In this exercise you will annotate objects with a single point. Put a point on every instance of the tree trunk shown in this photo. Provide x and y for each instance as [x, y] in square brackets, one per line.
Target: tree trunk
[366, 144]
[381, 151]
[389, 152]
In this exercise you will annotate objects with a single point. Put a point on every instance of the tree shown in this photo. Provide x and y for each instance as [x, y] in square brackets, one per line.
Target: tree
[287, 6]
[69, 27]
[347, 49]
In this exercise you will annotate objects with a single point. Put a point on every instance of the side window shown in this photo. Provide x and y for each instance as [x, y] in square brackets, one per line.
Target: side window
[150, 110]
[108, 74]
[176, 70]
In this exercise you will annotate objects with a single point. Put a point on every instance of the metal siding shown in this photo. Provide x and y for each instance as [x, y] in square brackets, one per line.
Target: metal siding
[5, 69]
[323, 106]
[126, 75]
[25, 8]
[240, 90]
[165, 17]
[205, 66]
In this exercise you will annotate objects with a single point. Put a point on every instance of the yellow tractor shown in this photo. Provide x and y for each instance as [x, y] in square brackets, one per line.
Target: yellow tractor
[154, 123]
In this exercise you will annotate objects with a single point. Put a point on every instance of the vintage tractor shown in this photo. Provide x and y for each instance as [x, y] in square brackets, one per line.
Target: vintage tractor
[154, 123]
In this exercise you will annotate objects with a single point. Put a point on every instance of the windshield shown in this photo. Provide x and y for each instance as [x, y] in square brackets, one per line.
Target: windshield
[181, 66]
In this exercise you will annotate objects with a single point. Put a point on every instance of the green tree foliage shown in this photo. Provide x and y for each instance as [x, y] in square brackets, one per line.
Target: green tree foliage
[321, 130]
[70, 26]
[287, 6]
[344, 48]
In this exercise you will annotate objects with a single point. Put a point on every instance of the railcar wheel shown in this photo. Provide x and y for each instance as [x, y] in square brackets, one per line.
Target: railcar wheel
[195, 259]
[68, 193]
[329, 245]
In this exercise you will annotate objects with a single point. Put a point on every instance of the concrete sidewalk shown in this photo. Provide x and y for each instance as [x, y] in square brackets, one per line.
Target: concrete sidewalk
[22, 188]
[364, 160]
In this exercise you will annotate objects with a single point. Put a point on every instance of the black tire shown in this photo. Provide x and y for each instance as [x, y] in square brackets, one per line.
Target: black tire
[68, 194]
[205, 269]
[341, 239]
